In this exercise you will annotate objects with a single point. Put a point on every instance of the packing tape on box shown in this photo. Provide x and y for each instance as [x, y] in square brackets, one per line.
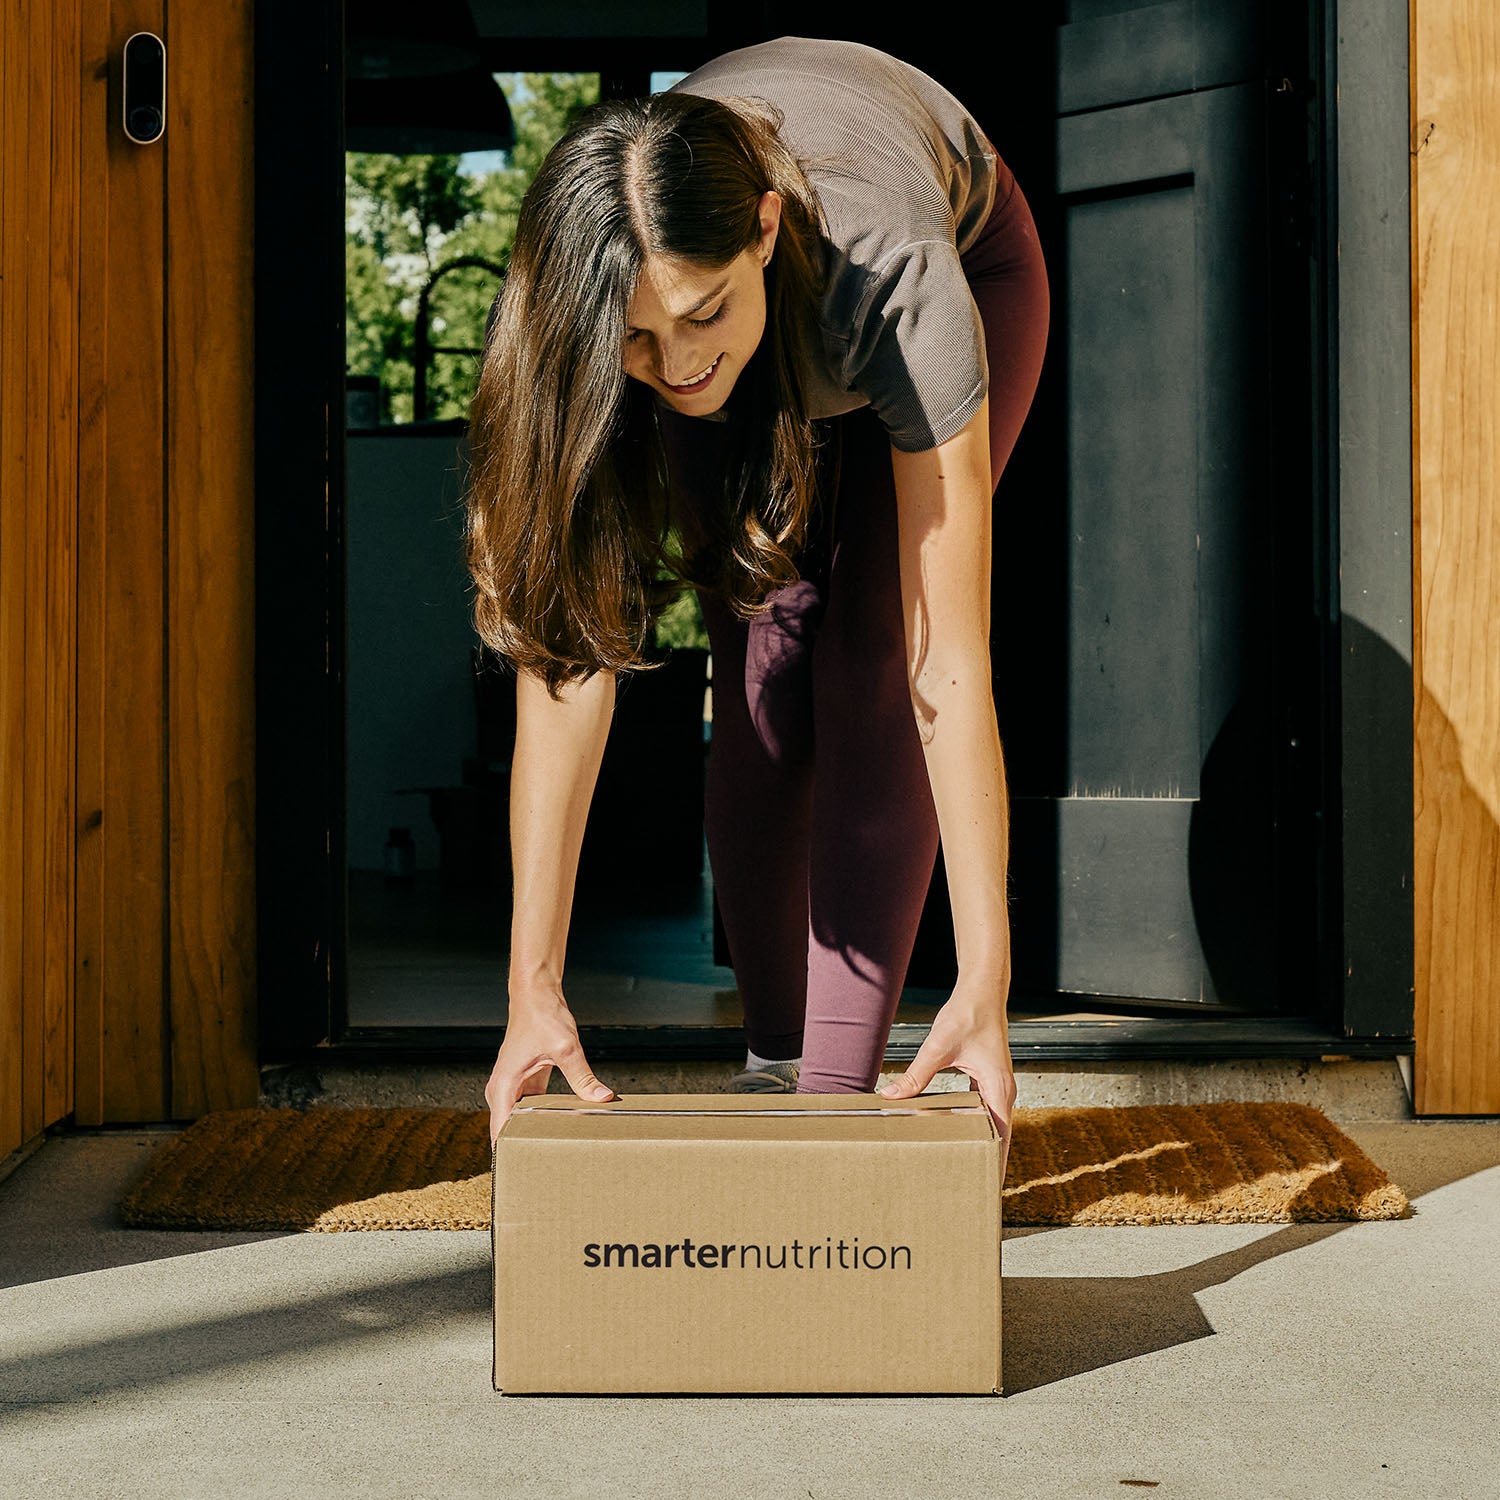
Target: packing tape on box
[594, 1109]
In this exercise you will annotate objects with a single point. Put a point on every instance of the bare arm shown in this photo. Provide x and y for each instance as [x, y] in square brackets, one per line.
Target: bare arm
[559, 748]
[944, 499]
[945, 540]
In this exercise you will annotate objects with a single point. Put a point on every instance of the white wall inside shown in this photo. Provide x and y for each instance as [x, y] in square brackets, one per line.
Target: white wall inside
[410, 696]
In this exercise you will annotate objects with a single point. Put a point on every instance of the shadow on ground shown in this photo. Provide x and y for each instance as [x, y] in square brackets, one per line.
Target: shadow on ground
[60, 1221]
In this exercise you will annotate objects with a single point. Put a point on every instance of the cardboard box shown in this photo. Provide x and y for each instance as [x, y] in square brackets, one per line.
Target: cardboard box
[747, 1242]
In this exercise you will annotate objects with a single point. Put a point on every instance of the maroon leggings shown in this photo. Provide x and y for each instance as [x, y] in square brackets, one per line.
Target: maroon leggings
[821, 829]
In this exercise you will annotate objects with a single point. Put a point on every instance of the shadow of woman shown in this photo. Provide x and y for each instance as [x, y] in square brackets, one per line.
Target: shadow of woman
[1060, 1326]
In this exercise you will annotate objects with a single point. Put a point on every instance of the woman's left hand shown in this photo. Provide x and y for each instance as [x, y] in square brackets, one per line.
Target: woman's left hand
[968, 1033]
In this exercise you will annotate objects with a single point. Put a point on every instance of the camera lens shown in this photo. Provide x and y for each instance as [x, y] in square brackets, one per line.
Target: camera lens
[145, 122]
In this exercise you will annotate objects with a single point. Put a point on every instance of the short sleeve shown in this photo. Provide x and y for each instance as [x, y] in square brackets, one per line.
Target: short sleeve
[917, 347]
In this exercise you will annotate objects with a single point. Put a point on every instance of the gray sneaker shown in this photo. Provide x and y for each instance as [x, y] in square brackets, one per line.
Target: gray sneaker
[764, 1081]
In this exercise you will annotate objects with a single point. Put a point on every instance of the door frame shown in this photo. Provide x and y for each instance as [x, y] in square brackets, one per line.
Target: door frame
[1359, 203]
[1370, 856]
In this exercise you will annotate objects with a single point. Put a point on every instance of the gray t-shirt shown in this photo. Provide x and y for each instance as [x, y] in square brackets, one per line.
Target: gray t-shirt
[906, 180]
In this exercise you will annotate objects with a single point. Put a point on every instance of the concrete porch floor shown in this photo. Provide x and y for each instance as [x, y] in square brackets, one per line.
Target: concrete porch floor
[1291, 1360]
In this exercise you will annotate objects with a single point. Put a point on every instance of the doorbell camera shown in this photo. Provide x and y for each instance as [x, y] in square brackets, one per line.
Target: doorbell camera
[145, 88]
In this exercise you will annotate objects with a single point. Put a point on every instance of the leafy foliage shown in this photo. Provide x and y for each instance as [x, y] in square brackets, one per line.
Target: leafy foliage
[408, 216]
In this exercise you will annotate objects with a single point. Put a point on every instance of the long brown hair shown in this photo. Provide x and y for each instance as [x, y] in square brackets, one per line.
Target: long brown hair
[567, 524]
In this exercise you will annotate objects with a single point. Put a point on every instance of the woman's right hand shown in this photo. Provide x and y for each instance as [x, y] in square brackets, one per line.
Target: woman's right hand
[539, 1034]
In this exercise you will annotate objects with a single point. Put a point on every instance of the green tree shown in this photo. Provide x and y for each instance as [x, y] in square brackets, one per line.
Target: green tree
[408, 216]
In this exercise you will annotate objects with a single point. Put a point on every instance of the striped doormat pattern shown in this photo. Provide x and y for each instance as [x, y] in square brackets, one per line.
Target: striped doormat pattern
[329, 1169]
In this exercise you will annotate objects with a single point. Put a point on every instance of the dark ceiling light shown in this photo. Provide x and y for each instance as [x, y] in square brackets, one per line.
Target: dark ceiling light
[442, 113]
[408, 39]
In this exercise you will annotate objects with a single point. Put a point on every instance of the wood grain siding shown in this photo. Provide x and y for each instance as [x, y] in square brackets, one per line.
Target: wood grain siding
[1456, 554]
[59, 416]
[126, 609]
[121, 672]
[39, 264]
[210, 527]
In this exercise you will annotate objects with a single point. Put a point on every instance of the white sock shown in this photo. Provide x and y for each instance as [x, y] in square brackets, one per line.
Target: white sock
[784, 1066]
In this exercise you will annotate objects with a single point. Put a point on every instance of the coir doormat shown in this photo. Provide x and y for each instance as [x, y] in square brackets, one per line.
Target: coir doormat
[335, 1169]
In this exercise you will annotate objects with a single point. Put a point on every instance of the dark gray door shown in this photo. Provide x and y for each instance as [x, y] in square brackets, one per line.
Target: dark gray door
[1136, 629]
[1163, 211]
[1161, 201]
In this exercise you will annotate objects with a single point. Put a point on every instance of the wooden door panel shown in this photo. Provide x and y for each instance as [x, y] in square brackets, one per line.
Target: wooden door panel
[126, 606]
[39, 371]
[1455, 178]
[122, 1021]
[209, 591]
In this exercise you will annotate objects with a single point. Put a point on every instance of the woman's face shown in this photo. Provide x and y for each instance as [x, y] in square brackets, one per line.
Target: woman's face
[690, 331]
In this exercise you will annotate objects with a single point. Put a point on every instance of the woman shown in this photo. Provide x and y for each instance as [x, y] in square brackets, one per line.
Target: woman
[772, 333]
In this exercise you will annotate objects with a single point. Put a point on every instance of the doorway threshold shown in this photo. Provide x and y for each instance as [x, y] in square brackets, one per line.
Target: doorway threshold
[1093, 1038]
